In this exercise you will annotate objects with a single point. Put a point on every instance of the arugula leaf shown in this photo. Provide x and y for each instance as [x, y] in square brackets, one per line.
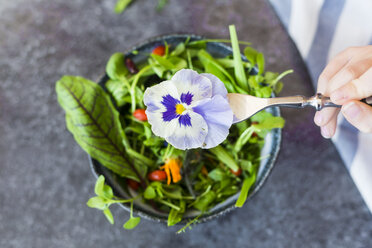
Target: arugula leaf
[212, 66]
[178, 63]
[95, 124]
[121, 5]
[202, 44]
[224, 157]
[247, 184]
[180, 48]
[163, 62]
[238, 64]
[243, 139]
[229, 63]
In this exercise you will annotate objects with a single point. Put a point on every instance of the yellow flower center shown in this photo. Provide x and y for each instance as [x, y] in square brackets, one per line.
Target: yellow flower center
[180, 108]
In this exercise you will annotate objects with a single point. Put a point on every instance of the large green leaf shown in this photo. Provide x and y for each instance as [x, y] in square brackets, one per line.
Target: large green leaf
[94, 122]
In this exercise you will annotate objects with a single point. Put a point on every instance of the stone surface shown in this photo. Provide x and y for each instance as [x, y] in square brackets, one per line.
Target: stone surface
[308, 201]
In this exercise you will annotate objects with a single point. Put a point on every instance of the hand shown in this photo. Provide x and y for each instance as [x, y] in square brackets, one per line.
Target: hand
[347, 79]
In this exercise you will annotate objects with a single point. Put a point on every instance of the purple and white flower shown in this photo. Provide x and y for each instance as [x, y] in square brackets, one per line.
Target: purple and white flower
[190, 110]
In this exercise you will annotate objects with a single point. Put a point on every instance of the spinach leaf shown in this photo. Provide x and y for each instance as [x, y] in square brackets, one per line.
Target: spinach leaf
[95, 124]
[115, 67]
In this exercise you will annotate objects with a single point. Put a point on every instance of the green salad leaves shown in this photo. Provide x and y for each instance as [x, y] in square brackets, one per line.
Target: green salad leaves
[110, 124]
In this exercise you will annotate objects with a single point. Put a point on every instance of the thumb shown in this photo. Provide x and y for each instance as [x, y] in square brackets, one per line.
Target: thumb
[354, 90]
[359, 115]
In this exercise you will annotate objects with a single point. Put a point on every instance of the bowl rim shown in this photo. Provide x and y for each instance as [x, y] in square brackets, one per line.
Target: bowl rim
[274, 151]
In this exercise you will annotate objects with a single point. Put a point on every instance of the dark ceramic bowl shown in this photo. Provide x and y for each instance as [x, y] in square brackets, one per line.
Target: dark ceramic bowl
[270, 150]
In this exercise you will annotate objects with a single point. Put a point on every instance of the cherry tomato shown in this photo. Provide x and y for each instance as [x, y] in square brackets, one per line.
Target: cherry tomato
[237, 173]
[140, 114]
[133, 184]
[159, 50]
[157, 175]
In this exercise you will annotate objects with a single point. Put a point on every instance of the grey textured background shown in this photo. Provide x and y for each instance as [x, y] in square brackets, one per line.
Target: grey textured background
[308, 201]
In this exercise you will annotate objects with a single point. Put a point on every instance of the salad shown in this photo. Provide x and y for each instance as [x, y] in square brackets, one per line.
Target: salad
[110, 123]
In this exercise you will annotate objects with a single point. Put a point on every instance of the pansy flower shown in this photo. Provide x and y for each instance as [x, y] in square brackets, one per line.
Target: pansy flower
[190, 110]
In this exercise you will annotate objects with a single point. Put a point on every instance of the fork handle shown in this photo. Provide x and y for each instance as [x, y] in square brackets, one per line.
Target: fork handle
[318, 101]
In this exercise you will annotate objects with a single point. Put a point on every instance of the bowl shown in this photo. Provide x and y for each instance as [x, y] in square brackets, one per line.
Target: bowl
[269, 151]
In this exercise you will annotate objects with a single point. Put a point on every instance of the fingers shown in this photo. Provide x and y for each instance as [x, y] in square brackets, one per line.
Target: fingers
[327, 120]
[359, 115]
[334, 66]
[356, 89]
[348, 77]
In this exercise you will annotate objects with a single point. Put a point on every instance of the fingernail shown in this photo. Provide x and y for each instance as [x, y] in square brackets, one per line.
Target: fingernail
[325, 132]
[351, 110]
[318, 119]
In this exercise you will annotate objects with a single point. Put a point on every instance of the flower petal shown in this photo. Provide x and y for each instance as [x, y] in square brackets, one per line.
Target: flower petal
[189, 136]
[160, 127]
[169, 103]
[218, 87]
[154, 96]
[218, 116]
[190, 82]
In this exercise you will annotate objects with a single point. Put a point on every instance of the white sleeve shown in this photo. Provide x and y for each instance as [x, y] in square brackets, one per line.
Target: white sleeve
[321, 29]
